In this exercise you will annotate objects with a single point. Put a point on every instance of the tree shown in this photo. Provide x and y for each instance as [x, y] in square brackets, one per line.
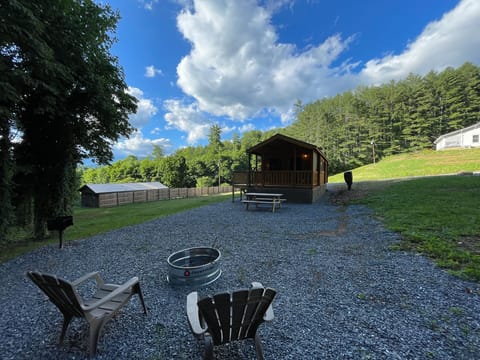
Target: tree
[175, 172]
[157, 152]
[214, 138]
[215, 148]
[73, 103]
[471, 78]
[148, 170]
[18, 25]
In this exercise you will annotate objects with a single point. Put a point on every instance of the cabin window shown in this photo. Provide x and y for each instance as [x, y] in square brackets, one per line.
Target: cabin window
[475, 138]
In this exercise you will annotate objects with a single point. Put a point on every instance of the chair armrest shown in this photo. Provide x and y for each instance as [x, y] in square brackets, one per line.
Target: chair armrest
[268, 316]
[256, 285]
[88, 276]
[193, 315]
[122, 288]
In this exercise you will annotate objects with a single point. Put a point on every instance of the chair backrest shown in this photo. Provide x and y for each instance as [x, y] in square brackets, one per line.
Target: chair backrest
[236, 315]
[60, 292]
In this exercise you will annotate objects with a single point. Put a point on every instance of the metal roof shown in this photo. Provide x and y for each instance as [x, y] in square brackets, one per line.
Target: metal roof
[123, 187]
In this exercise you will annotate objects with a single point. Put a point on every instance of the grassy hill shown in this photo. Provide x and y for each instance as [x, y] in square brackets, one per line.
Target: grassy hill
[422, 163]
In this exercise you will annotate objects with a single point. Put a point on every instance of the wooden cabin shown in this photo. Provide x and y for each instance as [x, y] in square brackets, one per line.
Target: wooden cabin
[282, 164]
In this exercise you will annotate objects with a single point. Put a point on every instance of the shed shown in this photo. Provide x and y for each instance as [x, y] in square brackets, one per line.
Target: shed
[464, 138]
[107, 195]
[285, 165]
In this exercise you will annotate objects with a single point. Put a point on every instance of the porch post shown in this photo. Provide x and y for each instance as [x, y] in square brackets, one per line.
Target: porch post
[262, 170]
[249, 168]
[294, 182]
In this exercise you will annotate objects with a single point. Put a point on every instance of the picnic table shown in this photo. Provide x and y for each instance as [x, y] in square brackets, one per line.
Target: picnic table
[273, 199]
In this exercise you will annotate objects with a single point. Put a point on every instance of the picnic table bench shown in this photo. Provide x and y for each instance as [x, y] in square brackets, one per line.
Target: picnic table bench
[275, 200]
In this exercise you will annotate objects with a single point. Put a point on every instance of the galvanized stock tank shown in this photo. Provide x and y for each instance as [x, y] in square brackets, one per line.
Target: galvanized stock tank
[194, 266]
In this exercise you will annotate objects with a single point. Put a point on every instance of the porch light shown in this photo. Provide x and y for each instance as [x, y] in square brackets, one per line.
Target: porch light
[305, 156]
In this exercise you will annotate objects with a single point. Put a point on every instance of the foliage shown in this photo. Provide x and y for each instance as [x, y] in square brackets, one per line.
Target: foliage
[204, 181]
[66, 95]
[437, 216]
[174, 172]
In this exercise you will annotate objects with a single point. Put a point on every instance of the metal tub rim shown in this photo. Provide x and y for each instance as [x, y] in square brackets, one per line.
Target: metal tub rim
[181, 271]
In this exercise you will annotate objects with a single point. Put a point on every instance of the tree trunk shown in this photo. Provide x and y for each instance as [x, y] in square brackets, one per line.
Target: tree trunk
[6, 171]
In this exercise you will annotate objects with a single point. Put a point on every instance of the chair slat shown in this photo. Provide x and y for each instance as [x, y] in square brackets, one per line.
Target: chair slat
[257, 318]
[60, 292]
[254, 297]
[239, 301]
[208, 312]
[223, 304]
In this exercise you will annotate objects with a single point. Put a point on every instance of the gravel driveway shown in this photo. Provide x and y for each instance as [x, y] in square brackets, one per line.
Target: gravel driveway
[342, 293]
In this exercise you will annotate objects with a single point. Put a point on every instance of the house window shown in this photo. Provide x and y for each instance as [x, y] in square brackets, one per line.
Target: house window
[475, 138]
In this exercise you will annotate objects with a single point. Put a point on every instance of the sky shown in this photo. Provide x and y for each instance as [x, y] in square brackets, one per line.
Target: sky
[243, 64]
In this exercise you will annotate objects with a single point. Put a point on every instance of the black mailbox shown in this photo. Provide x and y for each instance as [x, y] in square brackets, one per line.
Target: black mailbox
[347, 175]
[59, 223]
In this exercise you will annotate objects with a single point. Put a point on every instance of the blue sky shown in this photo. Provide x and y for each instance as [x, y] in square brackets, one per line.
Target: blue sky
[242, 64]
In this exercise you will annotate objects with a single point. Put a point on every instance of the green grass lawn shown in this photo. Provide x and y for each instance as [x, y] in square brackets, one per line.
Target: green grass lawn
[437, 216]
[422, 163]
[92, 221]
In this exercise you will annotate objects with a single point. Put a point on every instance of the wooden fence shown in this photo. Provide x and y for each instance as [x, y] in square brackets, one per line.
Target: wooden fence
[129, 197]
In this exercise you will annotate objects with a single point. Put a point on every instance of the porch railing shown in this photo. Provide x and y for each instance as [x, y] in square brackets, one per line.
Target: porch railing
[282, 178]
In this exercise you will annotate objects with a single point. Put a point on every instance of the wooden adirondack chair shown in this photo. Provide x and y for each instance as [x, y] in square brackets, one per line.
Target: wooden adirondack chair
[106, 301]
[231, 316]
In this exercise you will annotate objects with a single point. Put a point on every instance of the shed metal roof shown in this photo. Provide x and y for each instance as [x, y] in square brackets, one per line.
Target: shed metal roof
[123, 187]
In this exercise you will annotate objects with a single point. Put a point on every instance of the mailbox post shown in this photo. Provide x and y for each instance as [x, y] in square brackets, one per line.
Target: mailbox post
[59, 223]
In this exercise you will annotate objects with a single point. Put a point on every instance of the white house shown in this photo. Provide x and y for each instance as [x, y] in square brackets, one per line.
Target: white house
[463, 138]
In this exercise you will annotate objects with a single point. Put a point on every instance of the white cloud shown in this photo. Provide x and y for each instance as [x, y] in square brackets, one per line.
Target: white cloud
[151, 71]
[246, 127]
[450, 41]
[139, 146]
[225, 129]
[246, 71]
[145, 108]
[188, 118]
[148, 5]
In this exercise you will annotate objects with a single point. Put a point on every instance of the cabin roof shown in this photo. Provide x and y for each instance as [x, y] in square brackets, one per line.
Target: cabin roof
[122, 187]
[279, 138]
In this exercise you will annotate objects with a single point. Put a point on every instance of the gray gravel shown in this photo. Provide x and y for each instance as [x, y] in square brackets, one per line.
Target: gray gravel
[342, 293]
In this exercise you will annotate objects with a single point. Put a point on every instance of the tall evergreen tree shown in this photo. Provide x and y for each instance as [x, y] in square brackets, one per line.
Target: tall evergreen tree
[471, 78]
[454, 99]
